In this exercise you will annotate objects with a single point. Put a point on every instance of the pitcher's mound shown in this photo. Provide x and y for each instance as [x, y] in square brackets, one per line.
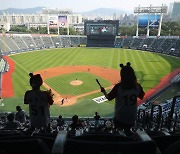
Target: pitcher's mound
[76, 82]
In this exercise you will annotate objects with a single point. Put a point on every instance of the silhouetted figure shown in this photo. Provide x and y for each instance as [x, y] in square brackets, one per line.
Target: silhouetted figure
[39, 102]
[125, 94]
[76, 123]
[96, 117]
[60, 121]
[11, 123]
[20, 115]
[62, 101]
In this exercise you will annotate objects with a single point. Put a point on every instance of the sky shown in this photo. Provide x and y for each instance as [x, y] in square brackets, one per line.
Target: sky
[82, 5]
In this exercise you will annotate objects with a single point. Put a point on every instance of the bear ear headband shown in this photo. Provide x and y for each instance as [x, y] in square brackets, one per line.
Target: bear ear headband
[127, 64]
[31, 75]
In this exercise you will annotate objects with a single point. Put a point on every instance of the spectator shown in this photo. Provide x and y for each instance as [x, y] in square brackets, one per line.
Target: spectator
[97, 117]
[125, 93]
[60, 121]
[20, 115]
[39, 102]
[76, 122]
[11, 123]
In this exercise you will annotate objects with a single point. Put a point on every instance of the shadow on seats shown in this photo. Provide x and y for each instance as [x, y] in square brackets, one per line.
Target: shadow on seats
[23, 146]
[163, 142]
[49, 141]
[102, 145]
[174, 148]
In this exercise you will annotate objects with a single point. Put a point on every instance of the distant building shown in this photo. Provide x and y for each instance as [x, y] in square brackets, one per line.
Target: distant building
[5, 26]
[41, 19]
[175, 16]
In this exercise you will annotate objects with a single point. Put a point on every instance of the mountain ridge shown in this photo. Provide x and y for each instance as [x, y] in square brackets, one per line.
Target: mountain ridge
[35, 10]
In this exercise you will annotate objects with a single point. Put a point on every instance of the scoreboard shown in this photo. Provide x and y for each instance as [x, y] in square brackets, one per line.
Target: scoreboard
[101, 27]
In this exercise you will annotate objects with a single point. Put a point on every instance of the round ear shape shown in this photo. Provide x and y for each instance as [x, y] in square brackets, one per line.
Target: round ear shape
[128, 64]
[121, 65]
[31, 75]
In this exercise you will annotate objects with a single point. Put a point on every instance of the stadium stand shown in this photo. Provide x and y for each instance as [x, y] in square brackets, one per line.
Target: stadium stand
[147, 43]
[12, 45]
[4, 46]
[157, 44]
[56, 41]
[176, 47]
[127, 42]
[118, 42]
[83, 40]
[137, 43]
[38, 41]
[29, 41]
[20, 43]
[74, 41]
[66, 42]
[48, 43]
[3, 66]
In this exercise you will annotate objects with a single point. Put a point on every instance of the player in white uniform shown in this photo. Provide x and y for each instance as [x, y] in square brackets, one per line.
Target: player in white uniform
[125, 93]
[39, 102]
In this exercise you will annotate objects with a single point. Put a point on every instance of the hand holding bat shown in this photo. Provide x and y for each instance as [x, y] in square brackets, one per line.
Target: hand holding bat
[102, 88]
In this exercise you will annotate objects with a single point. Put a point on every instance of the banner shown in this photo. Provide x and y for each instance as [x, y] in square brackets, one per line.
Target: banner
[62, 20]
[154, 21]
[100, 99]
[53, 21]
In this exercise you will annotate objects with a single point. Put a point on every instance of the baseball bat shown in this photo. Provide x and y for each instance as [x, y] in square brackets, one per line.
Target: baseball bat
[98, 82]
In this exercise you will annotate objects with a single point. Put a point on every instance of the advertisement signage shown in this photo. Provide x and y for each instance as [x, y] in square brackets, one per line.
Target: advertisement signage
[53, 21]
[154, 21]
[62, 21]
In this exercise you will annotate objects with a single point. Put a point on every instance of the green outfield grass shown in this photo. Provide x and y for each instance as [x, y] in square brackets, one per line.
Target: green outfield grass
[149, 68]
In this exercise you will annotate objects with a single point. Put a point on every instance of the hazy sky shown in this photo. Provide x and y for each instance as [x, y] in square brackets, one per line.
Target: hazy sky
[81, 5]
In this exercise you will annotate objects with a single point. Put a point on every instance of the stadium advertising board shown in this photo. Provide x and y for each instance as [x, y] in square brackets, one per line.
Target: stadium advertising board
[154, 21]
[101, 28]
[53, 21]
[62, 20]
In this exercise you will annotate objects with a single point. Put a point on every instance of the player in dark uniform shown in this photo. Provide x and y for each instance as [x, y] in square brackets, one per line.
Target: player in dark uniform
[125, 94]
[39, 102]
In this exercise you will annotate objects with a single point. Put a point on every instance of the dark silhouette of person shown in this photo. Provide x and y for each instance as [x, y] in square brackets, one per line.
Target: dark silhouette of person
[60, 121]
[62, 101]
[39, 103]
[125, 94]
[20, 115]
[76, 123]
[96, 117]
[11, 123]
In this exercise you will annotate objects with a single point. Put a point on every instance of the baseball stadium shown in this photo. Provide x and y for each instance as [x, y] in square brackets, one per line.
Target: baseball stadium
[71, 73]
[75, 67]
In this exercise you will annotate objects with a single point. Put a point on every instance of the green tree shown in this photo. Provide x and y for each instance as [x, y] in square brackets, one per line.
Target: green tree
[72, 31]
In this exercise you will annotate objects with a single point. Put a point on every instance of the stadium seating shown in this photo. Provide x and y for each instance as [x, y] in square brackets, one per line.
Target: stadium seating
[103, 143]
[47, 41]
[127, 42]
[38, 41]
[165, 45]
[56, 41]
[137, 43]
[151, 132]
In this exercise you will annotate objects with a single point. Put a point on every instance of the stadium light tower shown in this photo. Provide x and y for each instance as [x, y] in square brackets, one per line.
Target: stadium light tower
[149, 17]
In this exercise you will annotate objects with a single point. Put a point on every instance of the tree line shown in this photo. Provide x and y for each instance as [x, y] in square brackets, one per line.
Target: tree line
[167, 29]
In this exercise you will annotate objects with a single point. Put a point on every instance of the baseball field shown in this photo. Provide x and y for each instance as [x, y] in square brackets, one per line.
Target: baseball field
[71, 73]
